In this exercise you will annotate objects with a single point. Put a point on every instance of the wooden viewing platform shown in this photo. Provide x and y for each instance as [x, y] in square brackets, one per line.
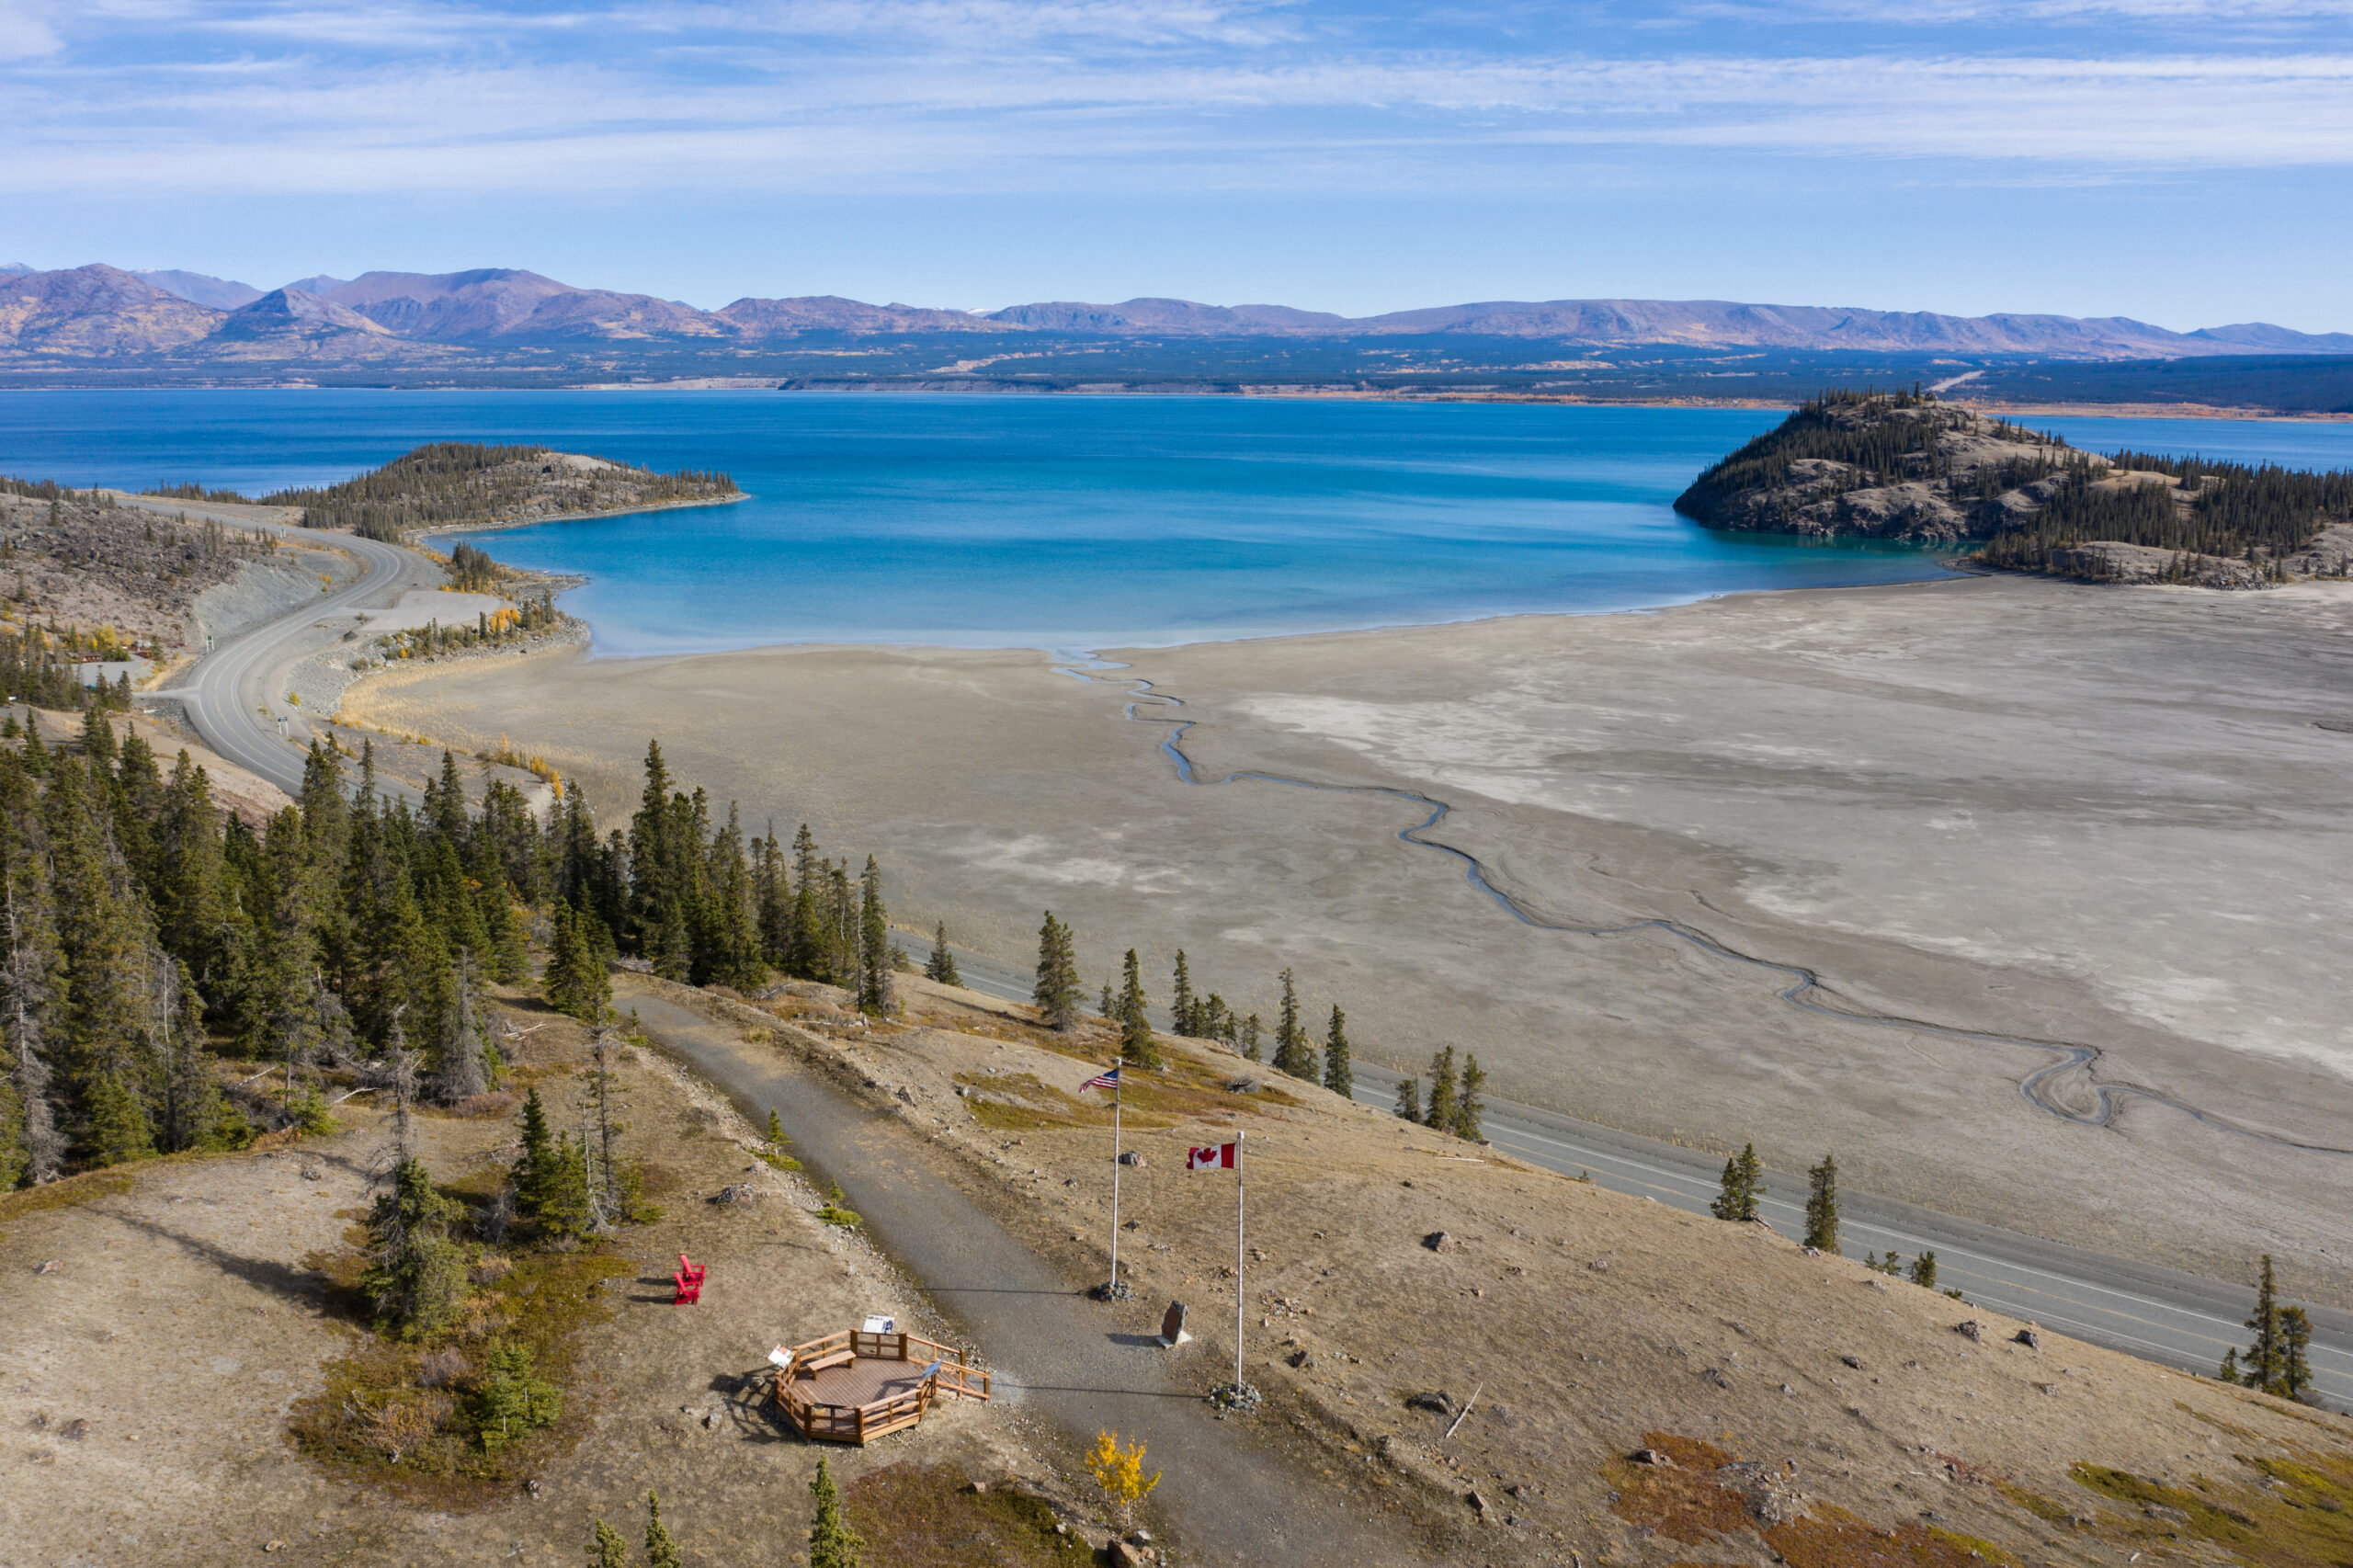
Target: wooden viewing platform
[853, 1387]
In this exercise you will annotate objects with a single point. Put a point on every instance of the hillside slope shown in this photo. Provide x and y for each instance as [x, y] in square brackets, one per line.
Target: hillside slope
[1516, 1366]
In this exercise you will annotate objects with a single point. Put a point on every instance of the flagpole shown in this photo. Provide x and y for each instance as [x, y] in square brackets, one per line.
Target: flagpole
[1238, 1136]
[1116, 1095]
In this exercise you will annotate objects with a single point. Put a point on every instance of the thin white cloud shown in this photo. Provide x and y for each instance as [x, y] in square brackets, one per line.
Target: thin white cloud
[27, 30]
[1098, 95]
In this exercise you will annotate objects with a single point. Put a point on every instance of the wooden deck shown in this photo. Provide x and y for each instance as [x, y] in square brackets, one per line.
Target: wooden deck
[854, 1387]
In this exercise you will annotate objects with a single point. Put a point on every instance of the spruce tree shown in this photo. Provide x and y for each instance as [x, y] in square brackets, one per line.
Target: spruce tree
[806, 948]
[1924, 1269]
[1409, 1098]
[1339, 1075]
[28, 983]
[513, 1398]
[569, 1207]
[506, 957]
[1468, 1106]
[12, 1121]
[576, 983]
[1252, 1050]
[1293, 1053]
[1056, 993]
[608, 1551]
[1440, 1113]
[535, 1170]
[1741, 1188]
[661, 1552]
[874, 993]
[465, 1051]
[2278, 1362]
[416, 1274]
[2295, 1359]
[941, 965]
[1218, 1021]
[190, 1108]
[832, 1543]
[1822, 1206]
[1184, 1015]
[1135, 1020]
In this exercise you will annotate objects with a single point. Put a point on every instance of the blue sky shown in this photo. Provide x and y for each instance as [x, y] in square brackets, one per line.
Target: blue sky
[2188, 162]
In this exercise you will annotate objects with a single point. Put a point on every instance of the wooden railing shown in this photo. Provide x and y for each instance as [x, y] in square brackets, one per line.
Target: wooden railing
[857, 1424]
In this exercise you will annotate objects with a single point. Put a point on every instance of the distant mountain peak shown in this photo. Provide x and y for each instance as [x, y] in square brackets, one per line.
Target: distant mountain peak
[220, 293]
[104, 310]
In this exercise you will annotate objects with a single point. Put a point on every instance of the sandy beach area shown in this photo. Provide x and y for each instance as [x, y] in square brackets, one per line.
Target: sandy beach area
[2107, 825]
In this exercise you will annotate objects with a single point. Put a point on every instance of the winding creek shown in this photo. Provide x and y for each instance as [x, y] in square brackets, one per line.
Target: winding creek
[1803, 988]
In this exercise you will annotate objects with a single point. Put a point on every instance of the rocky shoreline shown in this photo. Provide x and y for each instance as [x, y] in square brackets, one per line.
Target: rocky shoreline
[1907, 468]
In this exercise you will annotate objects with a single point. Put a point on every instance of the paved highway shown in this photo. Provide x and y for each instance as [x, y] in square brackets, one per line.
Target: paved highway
[2181, 1320]
[229, 692]
[2160, 1314]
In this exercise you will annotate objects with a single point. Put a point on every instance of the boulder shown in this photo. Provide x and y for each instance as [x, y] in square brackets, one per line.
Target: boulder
[1132, 1157]
[1439, 1241]
[2028, 1338]
[1659, 1457]
[1972, 1330]
[1437, 1401]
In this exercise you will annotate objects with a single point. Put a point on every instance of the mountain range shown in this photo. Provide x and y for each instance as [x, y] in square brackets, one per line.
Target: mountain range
[106, 314]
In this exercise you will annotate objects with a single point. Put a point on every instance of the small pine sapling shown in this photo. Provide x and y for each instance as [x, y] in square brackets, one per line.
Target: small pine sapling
[832, 1543]
[661, 1552]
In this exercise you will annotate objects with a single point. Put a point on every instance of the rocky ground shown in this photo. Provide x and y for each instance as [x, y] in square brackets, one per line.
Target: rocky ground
[160, 580]
[2003, 803]
[1545, 1371]
[1941, 474]
[165, 1322]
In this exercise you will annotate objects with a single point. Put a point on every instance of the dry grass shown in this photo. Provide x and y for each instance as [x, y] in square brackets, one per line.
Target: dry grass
[927, 1516]
[376, 1421]
[69, 1193]
[1598, 1324]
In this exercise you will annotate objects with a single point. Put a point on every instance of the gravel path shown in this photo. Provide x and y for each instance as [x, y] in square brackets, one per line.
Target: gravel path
[1077, 1364]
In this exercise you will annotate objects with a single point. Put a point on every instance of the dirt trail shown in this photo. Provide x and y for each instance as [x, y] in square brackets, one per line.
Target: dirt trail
[1077, 1364]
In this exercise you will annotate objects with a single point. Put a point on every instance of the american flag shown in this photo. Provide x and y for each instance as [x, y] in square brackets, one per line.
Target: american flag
[1103, 1080]
[1217, 1157]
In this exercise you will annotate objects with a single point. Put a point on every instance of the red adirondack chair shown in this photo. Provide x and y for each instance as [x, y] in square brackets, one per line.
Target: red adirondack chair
[689, 1280]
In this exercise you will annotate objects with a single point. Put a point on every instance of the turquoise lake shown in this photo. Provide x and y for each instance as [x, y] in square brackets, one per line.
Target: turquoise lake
[1065, 522]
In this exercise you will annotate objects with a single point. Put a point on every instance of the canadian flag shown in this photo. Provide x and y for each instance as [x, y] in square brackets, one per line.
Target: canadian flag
[1219, 1158]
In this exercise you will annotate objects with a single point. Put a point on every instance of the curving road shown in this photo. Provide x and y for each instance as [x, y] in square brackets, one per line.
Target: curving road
[2181, 1320]
[232, 692]
[2157, 1313]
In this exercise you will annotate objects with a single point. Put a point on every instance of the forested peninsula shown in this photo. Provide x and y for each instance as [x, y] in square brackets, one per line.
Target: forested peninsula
[447, 485]
[1904, 466]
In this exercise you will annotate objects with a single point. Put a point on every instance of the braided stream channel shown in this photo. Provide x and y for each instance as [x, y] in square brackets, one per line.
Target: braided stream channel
[1802, 987]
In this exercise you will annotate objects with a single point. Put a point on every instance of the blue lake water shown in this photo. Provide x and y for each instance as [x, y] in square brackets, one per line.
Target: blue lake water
[1059, 522]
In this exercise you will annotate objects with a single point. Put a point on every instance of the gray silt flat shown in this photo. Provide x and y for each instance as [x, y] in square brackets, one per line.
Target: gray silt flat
[1227, 1496]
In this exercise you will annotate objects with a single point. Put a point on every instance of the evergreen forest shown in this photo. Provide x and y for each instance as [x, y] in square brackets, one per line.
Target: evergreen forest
[145, 934]
[449, 483]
